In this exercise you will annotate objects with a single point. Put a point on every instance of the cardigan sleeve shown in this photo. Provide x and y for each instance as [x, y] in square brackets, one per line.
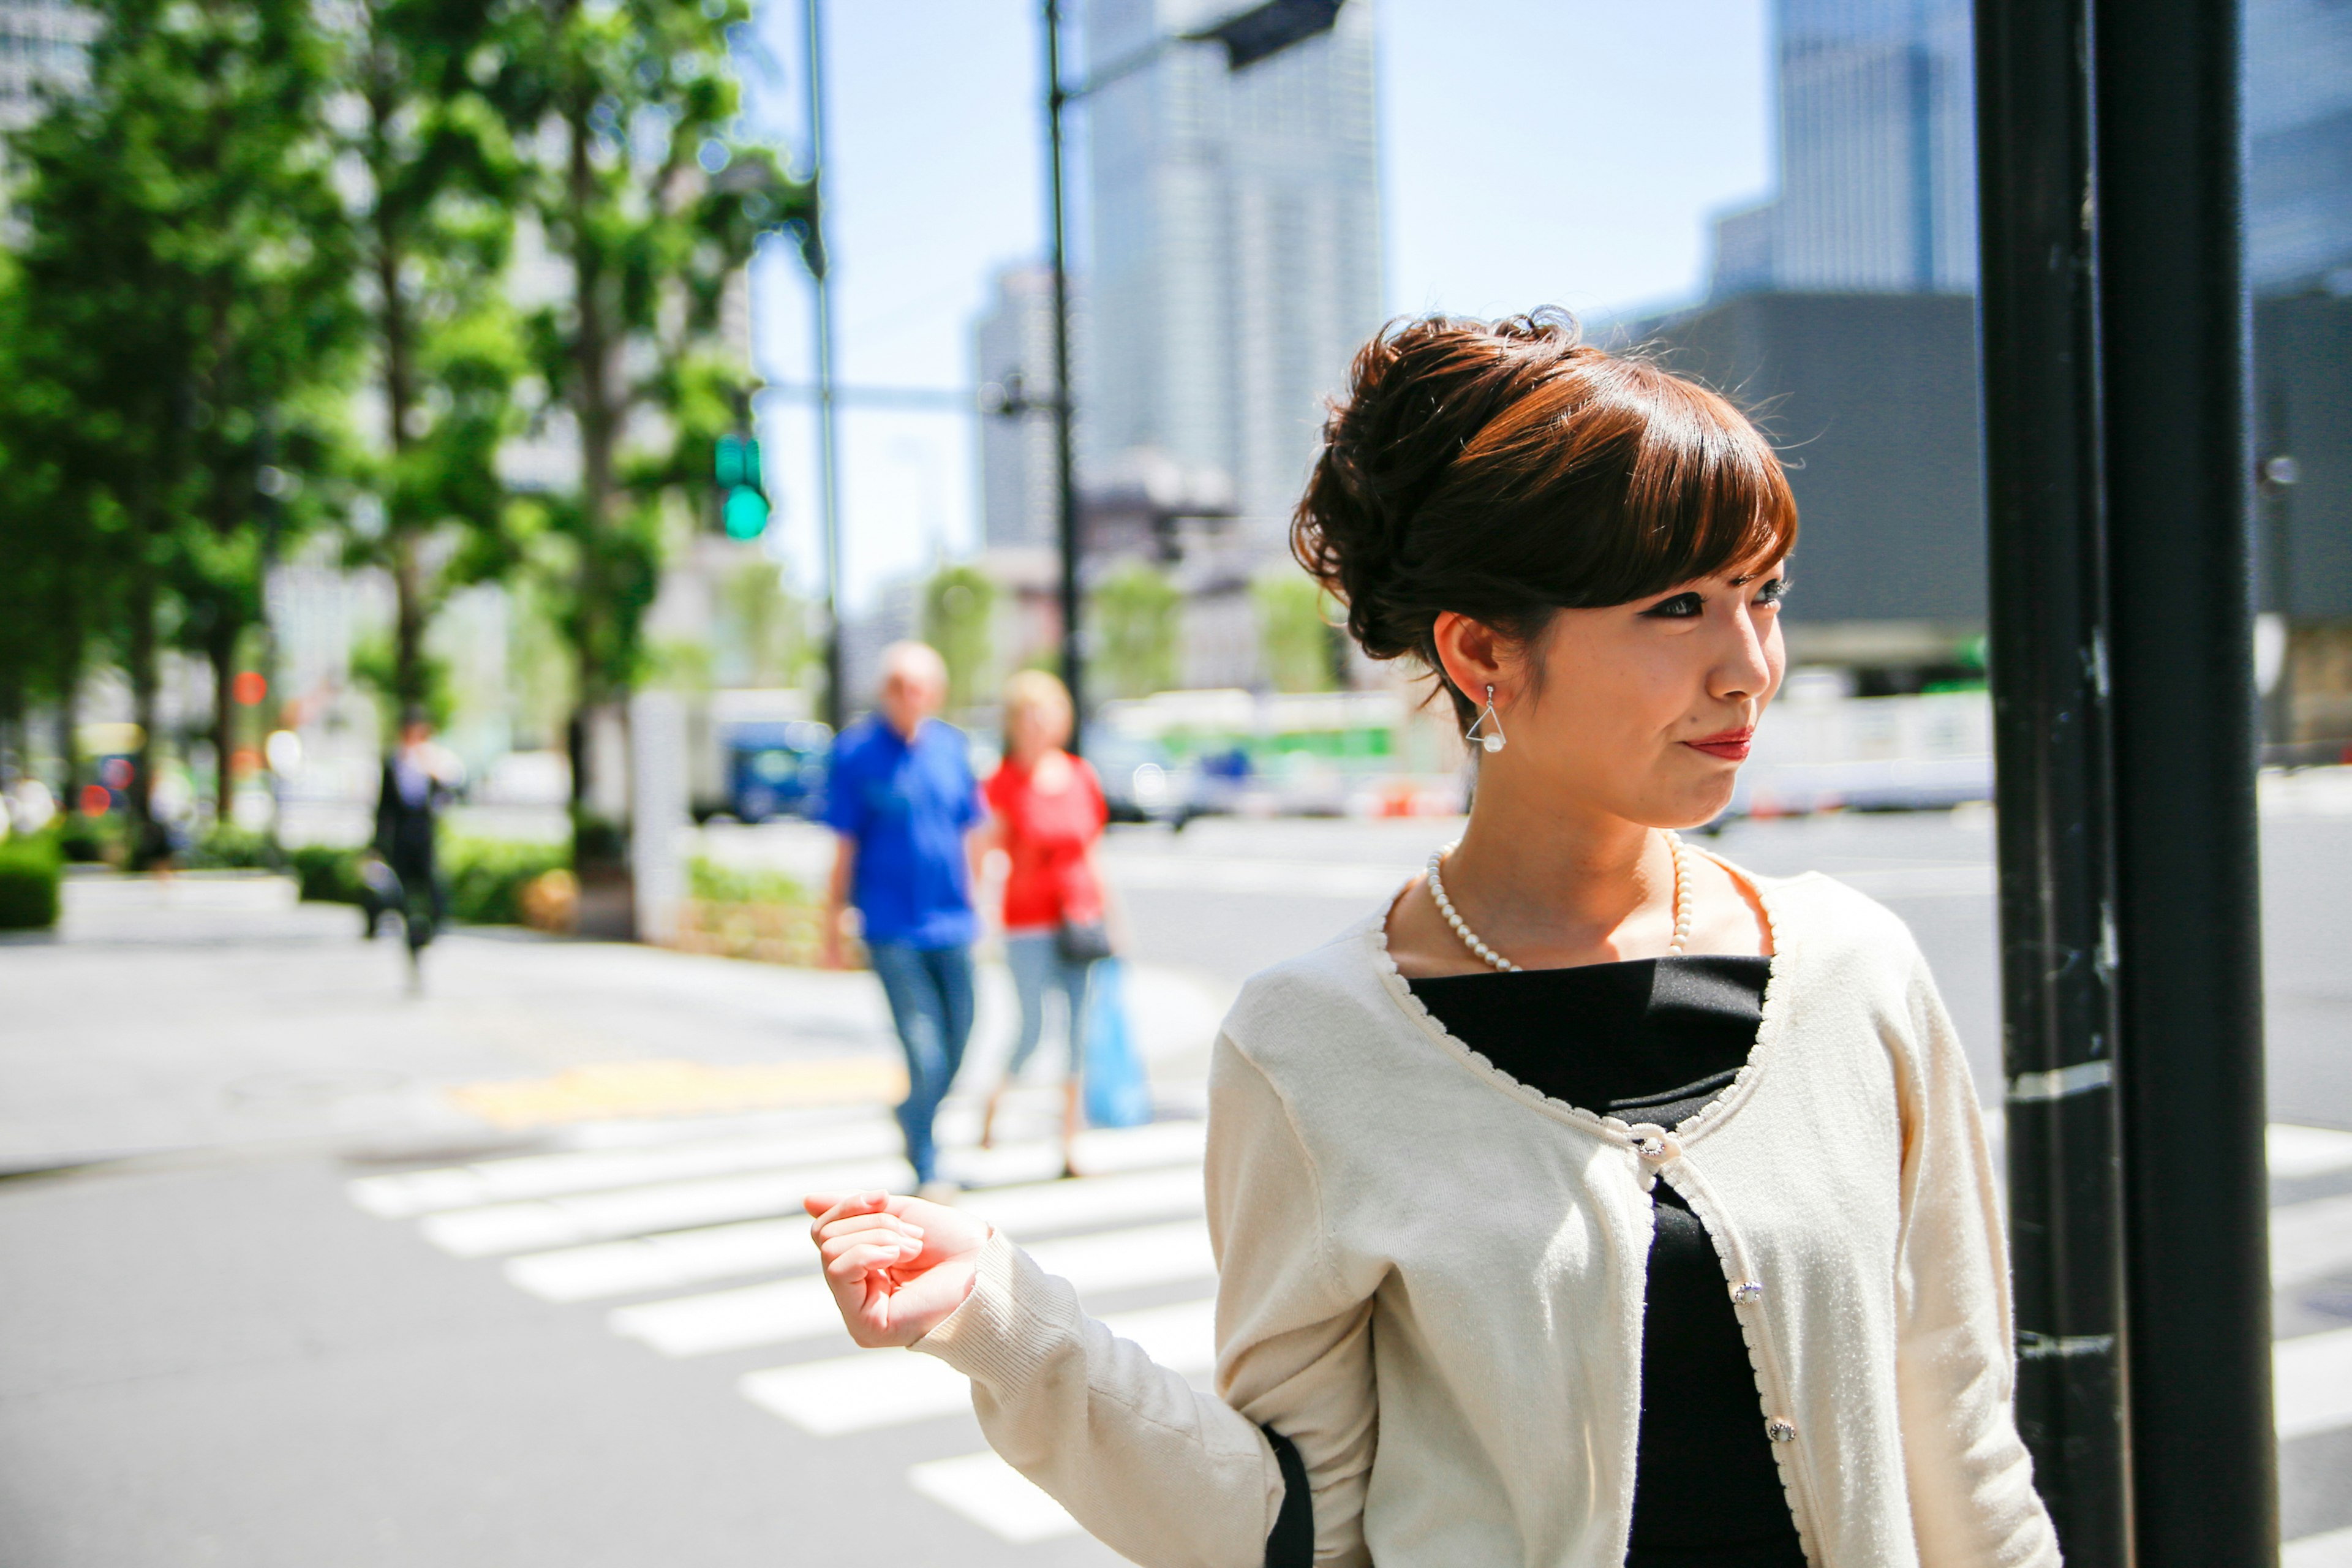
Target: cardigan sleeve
[1970, 1479]
[1163, 1473]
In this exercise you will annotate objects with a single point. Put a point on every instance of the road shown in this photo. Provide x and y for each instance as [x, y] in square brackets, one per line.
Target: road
[306, 1270]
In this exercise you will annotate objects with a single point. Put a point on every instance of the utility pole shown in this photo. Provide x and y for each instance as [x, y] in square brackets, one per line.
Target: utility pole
[818, 256]
[1065, 473]
[2120, 475]
[1248, 36]
[2045, 489]
[2174, 333]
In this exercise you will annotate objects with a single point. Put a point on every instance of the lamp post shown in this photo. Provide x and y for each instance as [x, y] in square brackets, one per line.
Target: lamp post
[1247, 37]
[814, 251]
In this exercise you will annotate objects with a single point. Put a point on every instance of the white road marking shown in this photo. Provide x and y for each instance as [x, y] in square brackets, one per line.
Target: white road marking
[1099, 1151]
[669, 1261]
[2333, 1550]
[2297, 1151]
[555, 1175]
[780, 1312]
[1087, 1201]
[2311, 1377]
[639, 1211]
[995, 1496]
[677, 1258]
[2310, 1240]
[880, 1388]
[774, 1314]
[859, 1393]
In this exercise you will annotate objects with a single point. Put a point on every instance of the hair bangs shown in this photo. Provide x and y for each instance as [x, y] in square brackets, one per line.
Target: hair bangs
[1704, 493]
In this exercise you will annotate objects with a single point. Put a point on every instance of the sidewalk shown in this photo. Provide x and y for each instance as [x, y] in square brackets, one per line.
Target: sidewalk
[215, 1014]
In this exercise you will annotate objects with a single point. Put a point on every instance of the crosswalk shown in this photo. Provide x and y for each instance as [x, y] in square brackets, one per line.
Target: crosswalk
[689, 1239]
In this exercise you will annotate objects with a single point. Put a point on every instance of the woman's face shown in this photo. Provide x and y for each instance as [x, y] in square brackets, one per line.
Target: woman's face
[1033, 729]
[1644, 710]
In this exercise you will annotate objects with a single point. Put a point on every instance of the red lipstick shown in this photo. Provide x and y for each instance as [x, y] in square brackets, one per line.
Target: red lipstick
[1731, 745]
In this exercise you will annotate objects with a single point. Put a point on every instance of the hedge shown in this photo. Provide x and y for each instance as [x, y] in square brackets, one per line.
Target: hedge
[486, 876]
[325, 874]
[30, 870]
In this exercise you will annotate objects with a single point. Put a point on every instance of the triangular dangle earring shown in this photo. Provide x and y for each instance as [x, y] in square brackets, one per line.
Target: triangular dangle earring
[1491, 722]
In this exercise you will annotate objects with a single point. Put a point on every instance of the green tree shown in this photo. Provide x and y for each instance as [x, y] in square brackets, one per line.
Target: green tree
[54, 576]
[1136, 612]
[620, 109]
[186, 293]
[434, 227]
[959, 613]
[1295, 637]
[763, 627]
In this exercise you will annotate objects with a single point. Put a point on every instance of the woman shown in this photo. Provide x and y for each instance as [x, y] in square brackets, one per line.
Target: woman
[1596, 1201]
[1046, 810]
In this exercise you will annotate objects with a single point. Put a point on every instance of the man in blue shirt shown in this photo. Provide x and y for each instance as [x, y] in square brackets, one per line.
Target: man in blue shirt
[901, 796]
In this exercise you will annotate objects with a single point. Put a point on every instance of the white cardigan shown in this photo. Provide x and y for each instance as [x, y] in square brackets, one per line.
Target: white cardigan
[1431, 1277]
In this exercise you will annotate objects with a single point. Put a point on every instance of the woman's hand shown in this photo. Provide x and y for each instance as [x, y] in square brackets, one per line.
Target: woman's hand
[897, 1266]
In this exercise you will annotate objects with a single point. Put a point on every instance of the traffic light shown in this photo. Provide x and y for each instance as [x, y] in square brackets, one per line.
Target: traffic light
[743, 504]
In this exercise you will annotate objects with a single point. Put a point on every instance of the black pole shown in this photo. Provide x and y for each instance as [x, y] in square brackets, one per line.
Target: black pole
[1065, 459]
[2039, 320]
[828, 446]
[2174, 340]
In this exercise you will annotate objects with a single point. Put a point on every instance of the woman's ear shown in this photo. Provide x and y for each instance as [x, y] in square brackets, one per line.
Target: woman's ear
[1473, 654]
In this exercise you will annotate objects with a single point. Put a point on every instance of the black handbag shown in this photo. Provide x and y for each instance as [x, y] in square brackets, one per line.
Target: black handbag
[1082, 941]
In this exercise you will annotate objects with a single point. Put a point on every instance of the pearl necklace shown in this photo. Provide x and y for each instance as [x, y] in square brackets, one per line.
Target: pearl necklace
[1496, 960]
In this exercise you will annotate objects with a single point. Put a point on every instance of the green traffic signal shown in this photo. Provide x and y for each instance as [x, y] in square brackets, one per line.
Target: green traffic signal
[736, 461]
[745, 513]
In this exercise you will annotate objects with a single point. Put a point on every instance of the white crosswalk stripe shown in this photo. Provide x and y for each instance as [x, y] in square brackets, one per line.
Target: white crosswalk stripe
[881, 1388]
[636, 1211]
[790, 1309]
[664, 1215]
[555, 1175]
[2312, 1383]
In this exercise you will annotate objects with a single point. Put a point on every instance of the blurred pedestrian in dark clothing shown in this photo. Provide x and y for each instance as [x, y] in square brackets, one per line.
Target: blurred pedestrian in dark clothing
[408, 807]
[901, 796]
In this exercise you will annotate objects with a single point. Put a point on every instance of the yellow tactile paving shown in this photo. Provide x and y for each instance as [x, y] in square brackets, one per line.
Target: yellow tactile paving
[678, 1088]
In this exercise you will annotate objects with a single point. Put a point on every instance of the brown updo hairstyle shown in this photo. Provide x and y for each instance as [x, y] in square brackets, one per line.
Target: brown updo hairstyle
[1506, 470]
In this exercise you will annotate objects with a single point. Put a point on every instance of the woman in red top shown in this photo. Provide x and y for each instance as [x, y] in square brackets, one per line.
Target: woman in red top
[1048, 812]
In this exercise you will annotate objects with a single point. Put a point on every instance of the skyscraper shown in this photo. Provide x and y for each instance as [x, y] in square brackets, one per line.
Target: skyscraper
[1020, 505]
[1877, 189]
[1233, 258]
[43, 43]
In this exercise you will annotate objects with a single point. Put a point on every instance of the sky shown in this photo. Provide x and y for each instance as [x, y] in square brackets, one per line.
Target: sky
[1534, 152]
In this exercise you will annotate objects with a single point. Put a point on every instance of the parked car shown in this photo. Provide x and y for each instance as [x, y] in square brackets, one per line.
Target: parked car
[1141, 781]
[777, 768]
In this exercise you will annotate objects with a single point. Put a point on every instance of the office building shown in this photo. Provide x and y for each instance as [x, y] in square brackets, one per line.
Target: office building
[1014, 356]
[43, 44]
[1877, 160]
[1233, 251]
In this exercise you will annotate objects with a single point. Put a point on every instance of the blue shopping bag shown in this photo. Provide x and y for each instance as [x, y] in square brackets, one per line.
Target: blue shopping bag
[1118, 1092]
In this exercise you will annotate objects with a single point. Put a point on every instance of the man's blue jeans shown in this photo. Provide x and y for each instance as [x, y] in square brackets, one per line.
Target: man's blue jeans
[929, 990]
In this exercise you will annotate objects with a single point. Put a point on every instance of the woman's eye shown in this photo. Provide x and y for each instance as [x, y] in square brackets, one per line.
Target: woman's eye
[1681, 608]
[1773, 592]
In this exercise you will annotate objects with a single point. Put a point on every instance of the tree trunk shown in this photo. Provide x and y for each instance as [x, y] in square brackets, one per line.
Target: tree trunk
[69, 739]
[593, 407]
[399, 396]
[220, 651]
[145, 680]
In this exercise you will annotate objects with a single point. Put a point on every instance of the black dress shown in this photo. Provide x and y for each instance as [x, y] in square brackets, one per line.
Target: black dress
[1655, 1040]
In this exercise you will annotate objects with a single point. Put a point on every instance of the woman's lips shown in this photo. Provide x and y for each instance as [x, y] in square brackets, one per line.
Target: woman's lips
[1731, 745]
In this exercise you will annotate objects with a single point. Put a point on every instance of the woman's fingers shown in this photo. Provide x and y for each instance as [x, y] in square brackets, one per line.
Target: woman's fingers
[857, 1261]
[895, 1244]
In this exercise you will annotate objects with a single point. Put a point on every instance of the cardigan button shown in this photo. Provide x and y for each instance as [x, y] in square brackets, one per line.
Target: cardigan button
[1654, 1142]
[1780, 1431]
[1747, 1293]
